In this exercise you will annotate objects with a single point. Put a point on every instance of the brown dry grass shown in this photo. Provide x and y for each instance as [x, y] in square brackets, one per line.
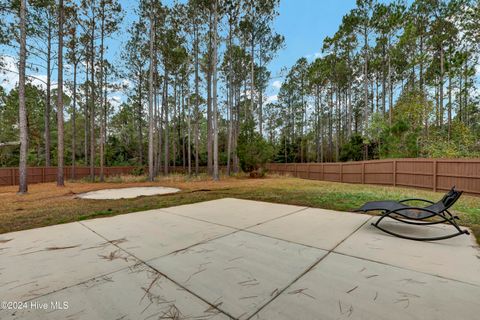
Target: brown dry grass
[46, 204]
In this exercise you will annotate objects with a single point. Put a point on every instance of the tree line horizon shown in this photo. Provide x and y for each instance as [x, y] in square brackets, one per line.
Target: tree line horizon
[396, 79]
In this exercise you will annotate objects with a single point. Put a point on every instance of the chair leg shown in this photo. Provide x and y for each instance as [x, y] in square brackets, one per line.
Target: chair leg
[451, 221]
[451, 215]
[420, 239]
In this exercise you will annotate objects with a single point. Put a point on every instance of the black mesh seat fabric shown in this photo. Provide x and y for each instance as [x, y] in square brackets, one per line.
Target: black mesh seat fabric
[404, 209]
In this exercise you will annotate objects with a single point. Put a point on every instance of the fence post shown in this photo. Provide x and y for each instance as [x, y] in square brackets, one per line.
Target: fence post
[363, 172]
[434, 175]
[43, 174]
[394, 173]
[12, 172]
[341, 172]
[323, 171]
[308, 170]
[296, 172]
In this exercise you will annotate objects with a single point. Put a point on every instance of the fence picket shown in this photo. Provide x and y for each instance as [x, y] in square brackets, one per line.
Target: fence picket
[433, 174]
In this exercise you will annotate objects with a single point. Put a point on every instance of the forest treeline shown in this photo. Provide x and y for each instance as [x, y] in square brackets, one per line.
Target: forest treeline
[395, 80]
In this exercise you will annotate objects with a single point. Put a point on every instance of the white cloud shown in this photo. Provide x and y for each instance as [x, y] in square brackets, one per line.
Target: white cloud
[9, 80]
[272, 98]
[115, 100]
[277, 84]
[314, 55]
[40, 80]
[127, 83]
[9, 75]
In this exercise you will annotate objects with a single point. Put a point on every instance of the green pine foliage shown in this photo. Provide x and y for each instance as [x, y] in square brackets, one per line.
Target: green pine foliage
[253, 150]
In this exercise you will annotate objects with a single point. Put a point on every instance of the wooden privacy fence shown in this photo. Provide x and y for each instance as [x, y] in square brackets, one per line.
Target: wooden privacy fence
[9, 176]
[433, 174]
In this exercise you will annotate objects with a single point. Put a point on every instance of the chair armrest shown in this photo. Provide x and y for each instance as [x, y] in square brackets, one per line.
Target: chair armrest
[415, 199]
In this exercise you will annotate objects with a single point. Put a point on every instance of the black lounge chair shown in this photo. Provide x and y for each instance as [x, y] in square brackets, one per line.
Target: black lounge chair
[417, 215]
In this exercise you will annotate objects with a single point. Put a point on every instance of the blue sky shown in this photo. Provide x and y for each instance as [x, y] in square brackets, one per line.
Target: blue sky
[304, 23]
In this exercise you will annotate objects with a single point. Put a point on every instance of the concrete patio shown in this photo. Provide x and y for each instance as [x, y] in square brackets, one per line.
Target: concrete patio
[236, 259]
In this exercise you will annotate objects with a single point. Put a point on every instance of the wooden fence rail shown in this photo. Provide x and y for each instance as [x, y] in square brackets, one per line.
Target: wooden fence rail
[433, 174]
[9, 176]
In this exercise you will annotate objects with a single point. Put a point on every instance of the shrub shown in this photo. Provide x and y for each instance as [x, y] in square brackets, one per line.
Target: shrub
[253, 150]
[354, 149]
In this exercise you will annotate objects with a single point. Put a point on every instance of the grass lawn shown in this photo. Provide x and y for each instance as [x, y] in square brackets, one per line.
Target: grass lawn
[47, 205]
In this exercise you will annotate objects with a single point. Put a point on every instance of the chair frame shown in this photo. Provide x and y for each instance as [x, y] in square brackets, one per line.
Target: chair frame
[445, 217]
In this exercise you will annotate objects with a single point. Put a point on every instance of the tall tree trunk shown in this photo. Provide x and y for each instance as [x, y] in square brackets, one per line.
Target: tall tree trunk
[74, 118]
[48, 108]
[437, 101]
[252, 64]
[365, 80]
[421, 64]
[384, 87]
[160, 131]
[230, 129]
[60, 144]
[151, 175]
[209, 101]
[317, 122]
[86, 126]
[215, 103]
[322, 130]
[93, 101]
[377, 95]
[442, 62]
[196, 111]
[22, 110]
[229, 99]
[302, 124]
[181, 129]
[174, 120]
[102, 105]
[167, 129]
[105, 112]
[158, 144]
[236, 126]
[449, 105]
[337, 145]
[390, 87]
[260, 97]
[460, 100]
[189, 142]
[330, 126]
[465, 93]
[197, 142]
[209, 106]
[209, 122]
[139, 117]
[350, 110]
